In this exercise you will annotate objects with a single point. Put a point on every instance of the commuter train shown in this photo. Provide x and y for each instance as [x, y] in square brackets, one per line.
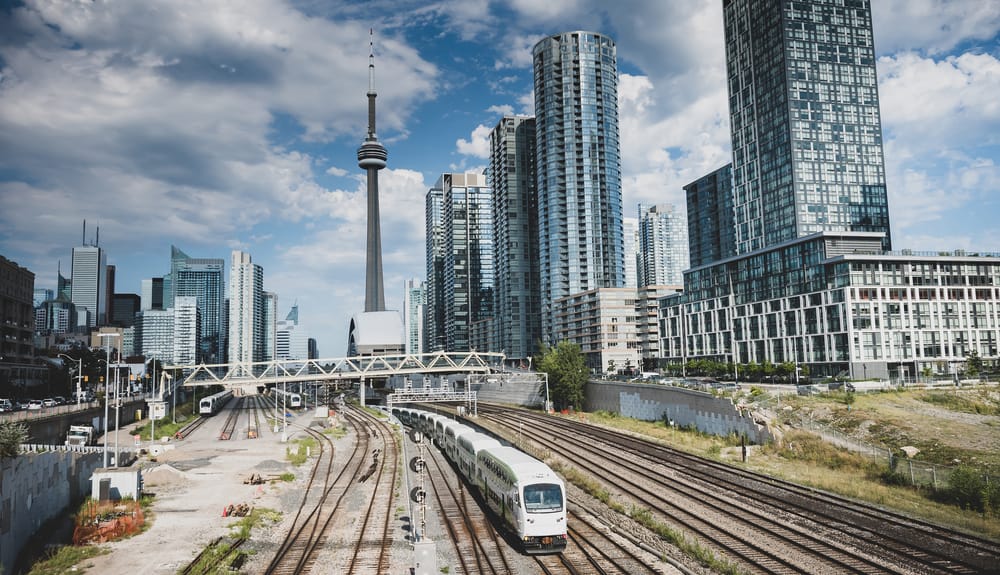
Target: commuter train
[212, 404]
[286, 398]
[523, 492]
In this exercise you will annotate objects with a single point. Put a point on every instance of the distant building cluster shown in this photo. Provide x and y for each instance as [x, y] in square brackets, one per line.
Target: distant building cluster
[186, 317]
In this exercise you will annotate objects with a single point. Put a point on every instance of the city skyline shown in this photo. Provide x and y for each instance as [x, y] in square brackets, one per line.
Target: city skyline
[241, 132]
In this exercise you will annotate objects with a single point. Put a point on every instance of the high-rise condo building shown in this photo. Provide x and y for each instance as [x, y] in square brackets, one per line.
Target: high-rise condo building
[511, 176]
[579, 168]
[246, 310]
[804, 115]
[203, 279]
[711, 232]
[186, 332]
[663, 245]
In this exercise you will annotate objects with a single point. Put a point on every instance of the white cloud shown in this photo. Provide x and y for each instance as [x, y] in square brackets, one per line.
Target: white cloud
[478, 145]
[335, 171]
[504, 110]
[932, 26]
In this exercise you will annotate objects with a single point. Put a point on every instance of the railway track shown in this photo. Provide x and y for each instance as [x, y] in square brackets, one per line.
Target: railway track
[190, 428]
[323, 505]
[232, 419]
[751, 517]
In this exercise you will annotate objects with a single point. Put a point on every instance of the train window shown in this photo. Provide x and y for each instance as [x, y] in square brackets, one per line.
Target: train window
[543, 497]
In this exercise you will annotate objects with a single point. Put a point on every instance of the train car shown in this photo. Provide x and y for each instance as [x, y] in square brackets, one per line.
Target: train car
[453, 430]
[287, 398]
[214, 403]
[527, 496]
[469, 445]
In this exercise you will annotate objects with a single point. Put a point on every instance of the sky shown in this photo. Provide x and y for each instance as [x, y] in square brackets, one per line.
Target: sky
[221, 126]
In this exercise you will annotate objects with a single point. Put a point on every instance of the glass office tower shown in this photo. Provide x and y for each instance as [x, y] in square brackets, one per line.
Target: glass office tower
[203, 279]
[804, 115]
[578, 162]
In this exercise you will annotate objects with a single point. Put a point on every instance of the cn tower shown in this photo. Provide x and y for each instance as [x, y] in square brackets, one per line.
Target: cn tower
[371, 158]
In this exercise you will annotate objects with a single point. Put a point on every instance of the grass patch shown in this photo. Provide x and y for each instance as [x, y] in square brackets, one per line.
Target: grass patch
[961, 402]
[287, 477]
[299, 453]
[257, 518]
[62, 559]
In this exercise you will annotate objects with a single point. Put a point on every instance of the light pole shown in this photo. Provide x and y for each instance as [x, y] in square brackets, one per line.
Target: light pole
[79, 376]
[118, 403]
[107, 378]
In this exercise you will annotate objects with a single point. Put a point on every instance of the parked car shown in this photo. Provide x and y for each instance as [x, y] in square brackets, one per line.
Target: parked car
[60, 400]
[49, 402]
[6, 405]
[34, 404]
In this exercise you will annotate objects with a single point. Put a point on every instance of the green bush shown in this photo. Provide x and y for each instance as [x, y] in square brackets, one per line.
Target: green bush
[970, 489]
[12, 435]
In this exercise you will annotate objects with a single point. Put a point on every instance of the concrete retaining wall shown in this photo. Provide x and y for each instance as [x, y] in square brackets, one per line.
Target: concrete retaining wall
[685, 407]
[36, 487]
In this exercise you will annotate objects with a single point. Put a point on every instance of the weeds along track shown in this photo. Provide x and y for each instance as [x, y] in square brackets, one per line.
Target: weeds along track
[769, 526]
[219, 556]
[478, 546]
[321, 496]
[326, 529]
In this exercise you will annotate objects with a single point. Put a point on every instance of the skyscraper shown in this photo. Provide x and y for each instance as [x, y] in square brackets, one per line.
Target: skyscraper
[711, 232]
[434, 256]
[90, 276]
[152, 293]
[468, 283]
[186, 328]
[203, 279]
[515, 209]
[663, 246]
[414, 297]
[804, 115]
[579, 167]
[246, 310]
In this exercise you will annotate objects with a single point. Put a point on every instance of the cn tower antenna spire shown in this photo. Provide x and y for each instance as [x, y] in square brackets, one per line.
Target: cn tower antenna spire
[372, 157]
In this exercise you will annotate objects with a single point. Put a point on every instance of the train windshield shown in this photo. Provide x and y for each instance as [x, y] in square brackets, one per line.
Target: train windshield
[543, 497]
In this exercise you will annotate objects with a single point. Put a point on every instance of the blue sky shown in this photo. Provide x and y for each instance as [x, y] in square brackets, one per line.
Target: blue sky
[216, 126]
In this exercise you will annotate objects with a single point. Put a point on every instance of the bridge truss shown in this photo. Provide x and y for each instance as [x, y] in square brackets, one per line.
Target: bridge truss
[350, 370]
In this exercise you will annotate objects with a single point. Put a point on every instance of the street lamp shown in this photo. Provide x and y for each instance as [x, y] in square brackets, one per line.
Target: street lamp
[107, 379]
[79, 376]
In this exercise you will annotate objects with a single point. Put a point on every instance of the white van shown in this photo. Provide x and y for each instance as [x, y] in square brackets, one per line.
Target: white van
[6, 405]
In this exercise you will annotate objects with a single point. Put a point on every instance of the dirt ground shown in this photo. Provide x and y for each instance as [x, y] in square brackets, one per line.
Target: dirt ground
[943, 433]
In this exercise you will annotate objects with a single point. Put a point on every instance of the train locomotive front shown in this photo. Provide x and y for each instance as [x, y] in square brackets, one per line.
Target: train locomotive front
[527, 495]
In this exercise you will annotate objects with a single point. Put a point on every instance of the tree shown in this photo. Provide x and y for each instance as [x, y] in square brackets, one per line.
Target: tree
[973, 364]
[567, 372]
[12, 435]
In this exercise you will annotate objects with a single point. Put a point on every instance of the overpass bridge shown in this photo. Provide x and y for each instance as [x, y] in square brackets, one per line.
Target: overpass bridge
[334, 371]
